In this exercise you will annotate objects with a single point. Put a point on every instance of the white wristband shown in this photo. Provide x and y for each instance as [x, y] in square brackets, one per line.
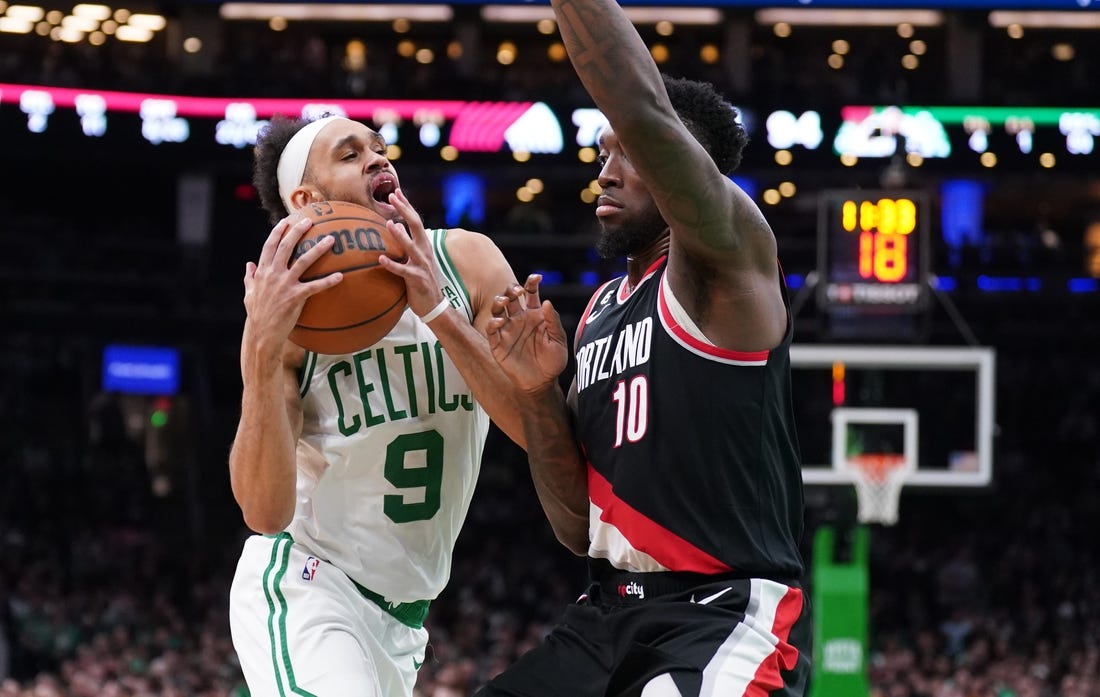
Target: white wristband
[436, 311]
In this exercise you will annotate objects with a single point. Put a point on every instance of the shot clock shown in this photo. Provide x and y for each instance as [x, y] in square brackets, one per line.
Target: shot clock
[872, 252]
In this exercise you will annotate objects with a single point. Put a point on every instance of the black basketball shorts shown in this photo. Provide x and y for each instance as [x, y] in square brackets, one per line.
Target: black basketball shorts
[628, 634]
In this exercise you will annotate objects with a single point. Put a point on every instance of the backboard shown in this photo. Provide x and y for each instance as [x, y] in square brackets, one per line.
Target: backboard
[930, 407]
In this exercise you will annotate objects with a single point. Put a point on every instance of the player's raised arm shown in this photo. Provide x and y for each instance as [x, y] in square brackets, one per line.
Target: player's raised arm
[722, 253]
[619, 73]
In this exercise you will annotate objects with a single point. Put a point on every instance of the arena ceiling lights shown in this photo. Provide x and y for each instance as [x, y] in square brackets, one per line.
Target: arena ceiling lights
[333, 12]
[1002, 19]
[822, 17]
[88, 22]
[517, 14]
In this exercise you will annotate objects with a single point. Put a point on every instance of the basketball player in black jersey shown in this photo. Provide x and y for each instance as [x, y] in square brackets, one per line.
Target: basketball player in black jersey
[674, 463]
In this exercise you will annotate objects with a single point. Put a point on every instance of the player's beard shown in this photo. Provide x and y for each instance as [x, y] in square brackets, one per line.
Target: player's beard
[621, 240]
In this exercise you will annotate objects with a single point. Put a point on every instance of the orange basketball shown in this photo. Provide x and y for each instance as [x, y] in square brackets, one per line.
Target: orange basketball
[366, 304]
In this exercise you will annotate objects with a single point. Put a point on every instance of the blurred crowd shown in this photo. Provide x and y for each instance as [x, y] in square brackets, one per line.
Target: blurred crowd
[992, 593]
[111, 586]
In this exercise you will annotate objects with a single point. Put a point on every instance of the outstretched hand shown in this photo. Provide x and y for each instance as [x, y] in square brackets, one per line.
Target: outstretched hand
[526, 337]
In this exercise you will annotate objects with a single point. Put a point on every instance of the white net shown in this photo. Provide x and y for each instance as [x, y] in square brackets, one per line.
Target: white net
[878, 479]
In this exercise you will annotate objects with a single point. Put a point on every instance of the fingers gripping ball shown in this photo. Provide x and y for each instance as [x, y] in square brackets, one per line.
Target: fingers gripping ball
[362, 308]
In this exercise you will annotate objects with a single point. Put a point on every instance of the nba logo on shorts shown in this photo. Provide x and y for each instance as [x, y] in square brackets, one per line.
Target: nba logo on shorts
[310, 568]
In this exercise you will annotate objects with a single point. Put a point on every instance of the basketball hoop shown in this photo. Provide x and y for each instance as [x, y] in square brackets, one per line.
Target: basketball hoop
[878, 478]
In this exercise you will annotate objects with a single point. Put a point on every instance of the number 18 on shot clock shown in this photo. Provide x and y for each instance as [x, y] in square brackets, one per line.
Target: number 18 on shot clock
[873, 251]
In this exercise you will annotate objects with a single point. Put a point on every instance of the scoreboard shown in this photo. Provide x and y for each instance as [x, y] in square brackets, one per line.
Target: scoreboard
[873, 248]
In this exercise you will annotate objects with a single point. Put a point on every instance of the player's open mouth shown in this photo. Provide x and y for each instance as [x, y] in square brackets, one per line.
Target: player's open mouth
[382, 187]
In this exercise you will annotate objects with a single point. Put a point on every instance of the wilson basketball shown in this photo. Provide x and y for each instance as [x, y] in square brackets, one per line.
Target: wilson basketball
[367, 303]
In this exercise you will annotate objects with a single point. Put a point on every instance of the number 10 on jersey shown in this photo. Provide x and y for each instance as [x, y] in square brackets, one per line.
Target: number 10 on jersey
[631, 400]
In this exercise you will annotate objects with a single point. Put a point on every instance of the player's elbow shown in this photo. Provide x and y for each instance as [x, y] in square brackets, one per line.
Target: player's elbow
[264, 521]
[263, 515]
[266, 503]
[579, 549]
[574, 536]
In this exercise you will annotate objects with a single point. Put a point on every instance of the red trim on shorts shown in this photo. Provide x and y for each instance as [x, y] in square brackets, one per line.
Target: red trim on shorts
[785, 656]
[667, 548]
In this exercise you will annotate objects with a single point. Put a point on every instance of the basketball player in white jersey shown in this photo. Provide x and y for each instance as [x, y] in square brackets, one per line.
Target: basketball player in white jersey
[355, 470]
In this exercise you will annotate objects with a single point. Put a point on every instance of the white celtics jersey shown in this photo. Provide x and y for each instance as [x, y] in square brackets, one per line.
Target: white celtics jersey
[402, 439]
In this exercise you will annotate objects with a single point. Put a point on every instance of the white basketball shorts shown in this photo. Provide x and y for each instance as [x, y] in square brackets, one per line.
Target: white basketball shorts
[301, 627]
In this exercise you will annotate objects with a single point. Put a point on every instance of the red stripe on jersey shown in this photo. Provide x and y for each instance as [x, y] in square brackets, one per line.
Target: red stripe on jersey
[682, 335]
[667, 548]
[768, 677]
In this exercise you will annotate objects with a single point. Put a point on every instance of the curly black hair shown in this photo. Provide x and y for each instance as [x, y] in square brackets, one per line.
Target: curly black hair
[270, 144]
[710, 118]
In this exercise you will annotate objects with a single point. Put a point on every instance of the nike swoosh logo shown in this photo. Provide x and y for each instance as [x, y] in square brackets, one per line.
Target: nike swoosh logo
[710, 598]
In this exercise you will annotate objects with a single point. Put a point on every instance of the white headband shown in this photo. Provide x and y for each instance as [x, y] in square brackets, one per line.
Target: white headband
[292, 163]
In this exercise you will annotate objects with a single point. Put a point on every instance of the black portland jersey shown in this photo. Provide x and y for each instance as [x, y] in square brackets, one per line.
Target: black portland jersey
[693, 456]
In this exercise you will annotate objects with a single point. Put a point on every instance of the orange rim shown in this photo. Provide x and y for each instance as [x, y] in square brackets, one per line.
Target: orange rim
[876, 466]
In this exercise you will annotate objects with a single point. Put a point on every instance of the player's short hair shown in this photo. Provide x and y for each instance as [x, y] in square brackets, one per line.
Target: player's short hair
[713, 121]
[270, 143]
